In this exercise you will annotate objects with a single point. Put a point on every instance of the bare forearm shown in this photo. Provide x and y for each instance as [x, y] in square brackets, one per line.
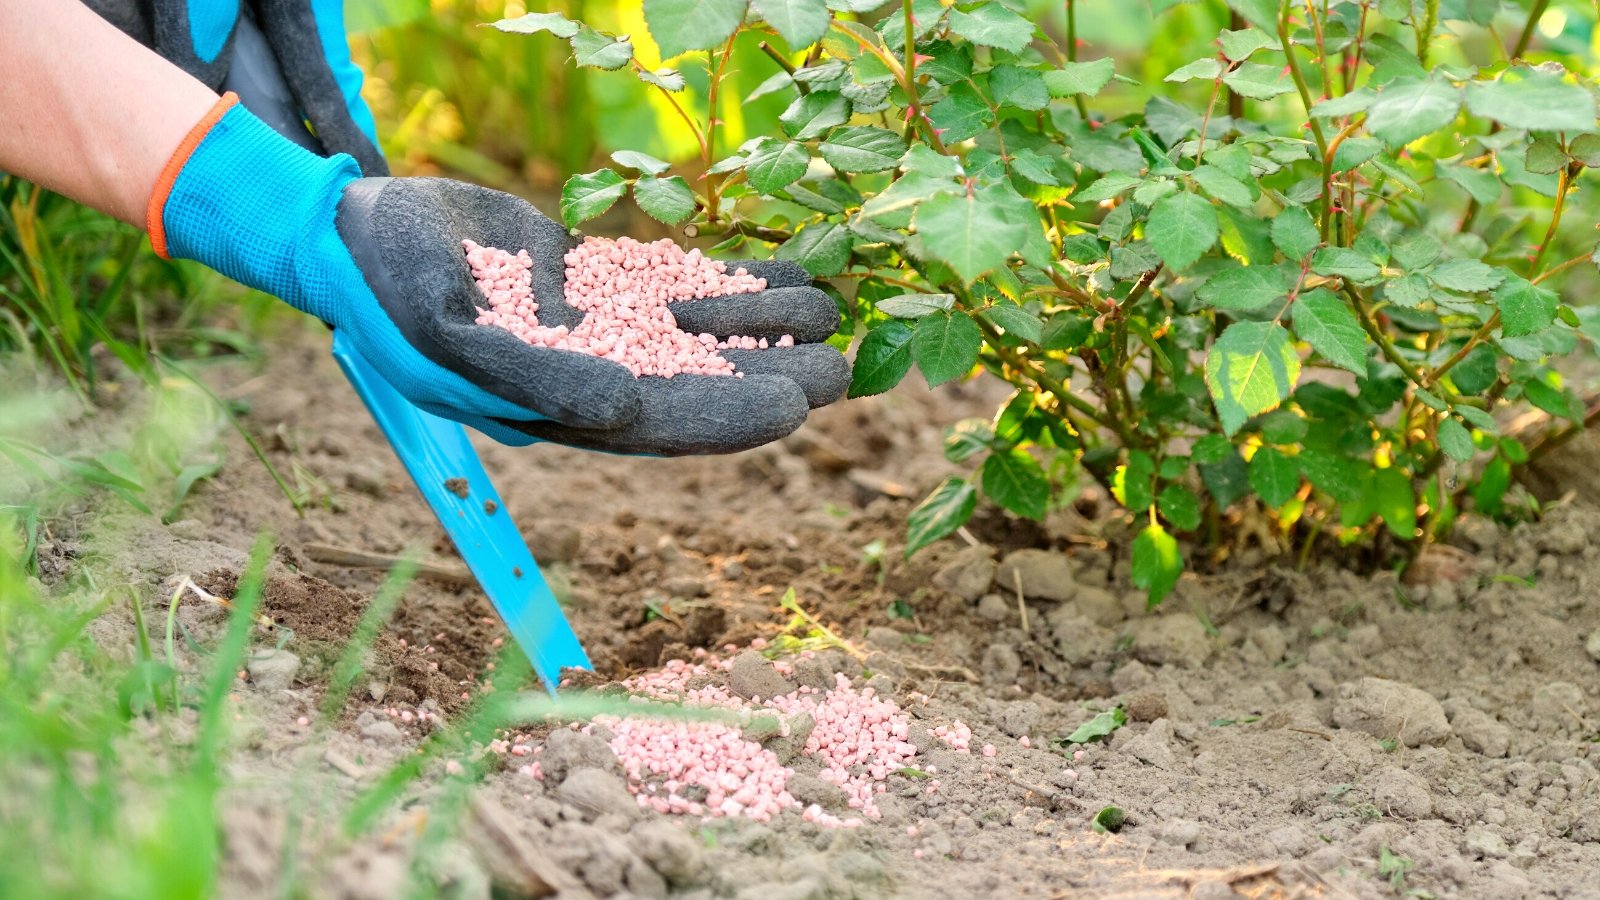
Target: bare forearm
[86, 110]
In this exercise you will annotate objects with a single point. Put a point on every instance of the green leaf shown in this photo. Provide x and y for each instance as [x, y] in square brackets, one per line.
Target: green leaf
[1182, 227]
[1258, 82]
[1454, 439]
[1134, 482]
[666, 78]
[585, 196]
[533, 23]
[883, 358]
[811, 115]
[1467, 275]
[1355, 151]
[961, 115]
[680, 25]
[1250, 369]
[945, 346]
[1156, 563]
[1417, 250]
[1295, 233]
[972, 232]
[863, 148]
[822, 248]
[1553, 400]
[992, 25]
[1275, 476]
[800, 22]
[774, 165]
[1108, 187]
[1533, 100]
[915, 306]
[667, 200]
[1409, 108]
[1179, 506]
[1012, 85]
[946, 509]
[1239, 45]
[1015, 322]
[1525, 308]
[1390, 494]
[600, 51]
[1326, 323]
[1248, 287]
[1356, 101]
[643, 162]
[1098, 727]
[1086, 78]
[1222, 186]
[1262, 14]
[1484, 186]
[1342, 262]
[1206, 67]
[1014, 480]
[1410, 291]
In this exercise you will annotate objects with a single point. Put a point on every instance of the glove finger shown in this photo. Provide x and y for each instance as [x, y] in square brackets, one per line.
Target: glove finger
[498, 432]
[293, 30]
[510, 223]
[804, 312]
[820, 370]
[693, 414]
[778, 272]
[575, 389]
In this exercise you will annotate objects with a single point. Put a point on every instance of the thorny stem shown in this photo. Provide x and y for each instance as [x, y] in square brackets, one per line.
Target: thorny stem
[1072, 51]
[1300, 80]
[708, 147]
[1327, 180]
[1482, 334]
[1021, 363]
[1424, 29]
[1526, 38]
[1205, 123]
[1562, 188]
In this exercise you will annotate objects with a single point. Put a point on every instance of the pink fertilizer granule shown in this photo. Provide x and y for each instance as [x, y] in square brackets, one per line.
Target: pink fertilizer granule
[623, 288]
[711, 769]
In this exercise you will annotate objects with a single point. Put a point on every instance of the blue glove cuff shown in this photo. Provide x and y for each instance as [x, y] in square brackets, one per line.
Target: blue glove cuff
[248, 202]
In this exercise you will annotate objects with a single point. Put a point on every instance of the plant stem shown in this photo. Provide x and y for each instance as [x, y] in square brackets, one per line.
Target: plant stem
[1017, 361]
[1072, 51]
[1300, 80]
[1327, 180]
[1384, 342]
[1526, 38]
[708, 147]
[1562, 188]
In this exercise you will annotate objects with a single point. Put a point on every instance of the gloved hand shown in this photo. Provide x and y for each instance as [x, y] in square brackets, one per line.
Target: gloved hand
[287, 59]
[381, 259]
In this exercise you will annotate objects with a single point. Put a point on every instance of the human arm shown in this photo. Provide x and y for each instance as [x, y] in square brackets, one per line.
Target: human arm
[86, 110]
[380, 258]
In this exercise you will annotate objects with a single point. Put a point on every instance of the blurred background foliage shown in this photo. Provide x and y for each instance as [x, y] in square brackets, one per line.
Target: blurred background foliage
[454, 97]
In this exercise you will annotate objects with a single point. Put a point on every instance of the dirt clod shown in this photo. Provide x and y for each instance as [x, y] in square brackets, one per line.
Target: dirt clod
[457, 486]
[752, 675]
[1041, 574]
[1390, 710]
[1147, 707]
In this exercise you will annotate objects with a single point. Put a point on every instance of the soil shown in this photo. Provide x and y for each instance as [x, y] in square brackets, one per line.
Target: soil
[1316, 733]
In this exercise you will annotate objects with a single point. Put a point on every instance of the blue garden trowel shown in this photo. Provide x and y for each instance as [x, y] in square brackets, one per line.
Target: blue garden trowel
[436, 451]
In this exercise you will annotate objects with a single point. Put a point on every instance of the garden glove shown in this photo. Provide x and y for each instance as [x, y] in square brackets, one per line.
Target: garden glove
[286, 59]
[381, 259]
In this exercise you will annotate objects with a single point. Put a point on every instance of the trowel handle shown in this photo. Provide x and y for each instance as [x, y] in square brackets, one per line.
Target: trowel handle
[446, 469]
